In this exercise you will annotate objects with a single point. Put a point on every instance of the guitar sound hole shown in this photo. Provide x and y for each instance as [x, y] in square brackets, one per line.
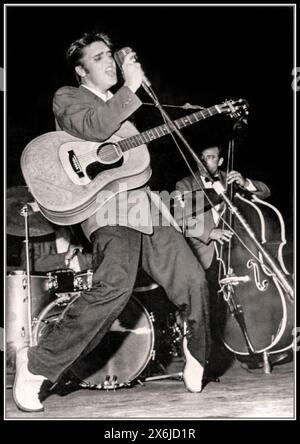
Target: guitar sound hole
[108, 153]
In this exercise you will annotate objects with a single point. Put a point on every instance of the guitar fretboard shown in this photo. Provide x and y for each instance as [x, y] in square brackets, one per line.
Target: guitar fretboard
[162, 130]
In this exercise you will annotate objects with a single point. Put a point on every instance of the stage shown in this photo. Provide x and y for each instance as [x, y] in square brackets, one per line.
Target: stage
[240, 394]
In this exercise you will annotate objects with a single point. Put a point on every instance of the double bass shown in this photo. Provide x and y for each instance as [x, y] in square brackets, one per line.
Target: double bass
[255, 288]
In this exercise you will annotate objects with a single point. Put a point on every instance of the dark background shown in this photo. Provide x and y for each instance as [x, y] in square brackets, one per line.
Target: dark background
[200, 55]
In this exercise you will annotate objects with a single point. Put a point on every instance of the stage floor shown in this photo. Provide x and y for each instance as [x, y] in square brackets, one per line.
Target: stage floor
[241, 393]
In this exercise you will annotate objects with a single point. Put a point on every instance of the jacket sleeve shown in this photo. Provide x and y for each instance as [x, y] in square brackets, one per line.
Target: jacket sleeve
[86, 116]
[85, 261]
[184, 185]
[208, 225]
[262, 190]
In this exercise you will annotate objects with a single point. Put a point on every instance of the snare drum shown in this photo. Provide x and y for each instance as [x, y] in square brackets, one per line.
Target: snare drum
[123, 353]
[16, 319]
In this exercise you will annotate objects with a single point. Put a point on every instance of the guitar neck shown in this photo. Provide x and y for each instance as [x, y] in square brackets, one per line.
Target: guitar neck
[160, 131]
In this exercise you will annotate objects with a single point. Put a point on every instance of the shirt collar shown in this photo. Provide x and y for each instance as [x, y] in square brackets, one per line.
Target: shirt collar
[104, 96]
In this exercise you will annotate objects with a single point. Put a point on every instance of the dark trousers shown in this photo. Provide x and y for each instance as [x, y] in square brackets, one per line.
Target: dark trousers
[169, 261]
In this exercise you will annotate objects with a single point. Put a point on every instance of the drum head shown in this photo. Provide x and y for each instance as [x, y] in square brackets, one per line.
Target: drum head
[122, 354]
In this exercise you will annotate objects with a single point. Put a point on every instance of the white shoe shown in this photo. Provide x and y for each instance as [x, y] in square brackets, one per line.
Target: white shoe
[26, 385]
[192, 372]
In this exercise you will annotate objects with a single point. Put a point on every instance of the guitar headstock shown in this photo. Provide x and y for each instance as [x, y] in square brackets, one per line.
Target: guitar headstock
[235, 108]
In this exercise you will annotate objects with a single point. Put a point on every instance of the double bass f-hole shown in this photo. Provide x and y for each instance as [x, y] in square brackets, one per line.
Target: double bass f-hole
[261, 285]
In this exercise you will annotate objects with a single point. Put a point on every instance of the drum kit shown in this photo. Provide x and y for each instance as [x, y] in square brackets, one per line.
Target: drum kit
[35, 304]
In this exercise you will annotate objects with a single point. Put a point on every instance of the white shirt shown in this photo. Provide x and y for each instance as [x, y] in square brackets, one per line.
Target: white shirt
[104, 96]
[215, 210]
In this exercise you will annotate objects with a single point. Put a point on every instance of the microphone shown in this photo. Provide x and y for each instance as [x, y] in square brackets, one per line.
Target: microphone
[119, 58]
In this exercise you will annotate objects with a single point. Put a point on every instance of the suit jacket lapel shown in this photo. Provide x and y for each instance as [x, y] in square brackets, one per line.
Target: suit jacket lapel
[196, 180]
[90, 94]
[223, 175]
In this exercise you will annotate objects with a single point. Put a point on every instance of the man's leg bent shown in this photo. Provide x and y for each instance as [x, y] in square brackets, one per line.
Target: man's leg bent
[169, 260]
[115, 255]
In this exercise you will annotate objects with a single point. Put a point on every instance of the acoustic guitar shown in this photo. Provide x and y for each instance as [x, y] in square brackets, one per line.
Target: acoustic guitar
[71, 178]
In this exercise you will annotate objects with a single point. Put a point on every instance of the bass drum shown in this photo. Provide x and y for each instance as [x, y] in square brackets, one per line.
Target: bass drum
[123, 353]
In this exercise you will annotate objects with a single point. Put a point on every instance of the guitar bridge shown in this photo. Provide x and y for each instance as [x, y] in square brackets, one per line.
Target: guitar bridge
[75, 164]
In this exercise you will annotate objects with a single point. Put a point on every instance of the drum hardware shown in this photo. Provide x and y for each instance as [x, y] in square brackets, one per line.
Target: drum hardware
[34, 321]
[177, 334]
[65, 298]
[52, 281]
[153, 355]
[267, 366]
[152, 317]
[24, 213]
[174, 326]
[24, 283]
[110, 383]
[83, 280]
[169, 376]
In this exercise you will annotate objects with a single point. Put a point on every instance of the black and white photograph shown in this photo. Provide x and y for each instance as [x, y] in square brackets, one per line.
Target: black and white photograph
[149, 214]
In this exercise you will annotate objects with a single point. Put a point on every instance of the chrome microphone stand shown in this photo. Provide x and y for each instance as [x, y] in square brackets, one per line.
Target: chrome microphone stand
[147, 87]
[173, 128]
[185, 106]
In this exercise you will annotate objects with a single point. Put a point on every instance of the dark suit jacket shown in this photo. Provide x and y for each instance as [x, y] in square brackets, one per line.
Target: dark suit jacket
[83, 114]
[79, 112]
[202, 246]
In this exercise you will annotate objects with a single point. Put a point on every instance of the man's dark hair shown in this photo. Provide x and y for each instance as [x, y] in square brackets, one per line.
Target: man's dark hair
[75, 51]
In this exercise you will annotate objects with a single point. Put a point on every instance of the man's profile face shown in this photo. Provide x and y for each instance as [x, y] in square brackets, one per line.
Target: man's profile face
[211, 159]
[98, 68]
